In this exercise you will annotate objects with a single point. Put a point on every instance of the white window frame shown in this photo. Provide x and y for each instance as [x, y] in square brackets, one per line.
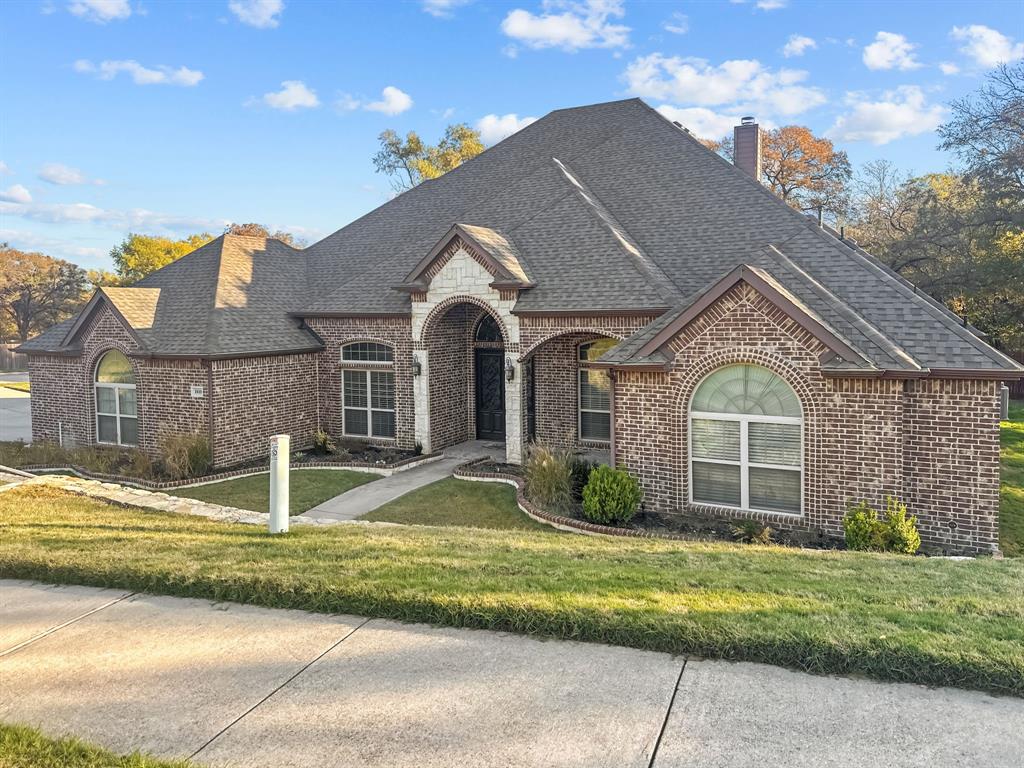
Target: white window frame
[117, 406]
[367, 367]
[581, 366]
[744, 462]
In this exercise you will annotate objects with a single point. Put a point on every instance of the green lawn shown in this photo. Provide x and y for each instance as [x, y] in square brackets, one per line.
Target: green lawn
[20, 386]
[1011, 503]
[22, 747]
[887, 616]
[308, 487]
[458, 502]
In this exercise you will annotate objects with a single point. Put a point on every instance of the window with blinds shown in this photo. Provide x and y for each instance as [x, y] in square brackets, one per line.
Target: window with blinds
[746, 441]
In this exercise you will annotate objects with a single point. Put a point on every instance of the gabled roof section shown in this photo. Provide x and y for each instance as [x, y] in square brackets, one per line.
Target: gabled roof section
[648, 347]
[499, 253]
[133, 307]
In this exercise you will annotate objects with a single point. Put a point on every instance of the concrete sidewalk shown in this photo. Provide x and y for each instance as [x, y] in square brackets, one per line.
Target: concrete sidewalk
[237, 685]
[15, 412]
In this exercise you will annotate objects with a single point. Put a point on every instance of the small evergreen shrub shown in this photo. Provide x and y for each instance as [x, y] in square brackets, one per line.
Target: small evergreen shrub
[752, 532]
[324, 443]
[185, 455]
[549, 478]
[867, 532]
[611, 496]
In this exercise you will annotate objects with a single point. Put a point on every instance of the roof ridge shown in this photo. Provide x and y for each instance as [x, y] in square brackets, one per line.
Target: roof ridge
[648, 267]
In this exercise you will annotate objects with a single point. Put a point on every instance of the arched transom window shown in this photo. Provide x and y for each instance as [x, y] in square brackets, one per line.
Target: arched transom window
[368, 390]
[746, 445]
[595, 389]
[117, 420]
[487, 330]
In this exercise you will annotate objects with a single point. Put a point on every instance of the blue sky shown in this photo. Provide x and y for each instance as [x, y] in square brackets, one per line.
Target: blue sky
[171, 118]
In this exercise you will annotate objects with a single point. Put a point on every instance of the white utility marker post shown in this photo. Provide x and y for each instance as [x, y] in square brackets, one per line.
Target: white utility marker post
[279, 455]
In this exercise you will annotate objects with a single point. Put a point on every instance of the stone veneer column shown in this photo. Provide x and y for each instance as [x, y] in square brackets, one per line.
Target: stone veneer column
[421, 399]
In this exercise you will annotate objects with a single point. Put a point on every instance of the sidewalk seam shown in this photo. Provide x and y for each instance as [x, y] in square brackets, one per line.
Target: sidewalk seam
[668, 713]
[51, 630]
[309, 664]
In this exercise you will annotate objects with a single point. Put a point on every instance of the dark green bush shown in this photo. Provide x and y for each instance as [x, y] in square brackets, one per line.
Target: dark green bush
[866, 531]
[611, 496]
[549, 478]
[185, 455]
[579, 470]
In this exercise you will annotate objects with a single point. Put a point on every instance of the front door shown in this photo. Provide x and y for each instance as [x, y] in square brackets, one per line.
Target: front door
[490, 394]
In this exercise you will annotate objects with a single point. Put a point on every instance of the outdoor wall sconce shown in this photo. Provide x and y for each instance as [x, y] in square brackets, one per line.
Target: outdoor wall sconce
[510, 369]
[417, 369]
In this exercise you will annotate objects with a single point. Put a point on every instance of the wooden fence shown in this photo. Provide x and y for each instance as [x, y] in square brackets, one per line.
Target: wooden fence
[11, 360]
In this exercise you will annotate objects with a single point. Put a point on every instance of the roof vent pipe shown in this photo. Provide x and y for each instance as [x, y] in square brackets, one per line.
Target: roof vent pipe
[746, 139]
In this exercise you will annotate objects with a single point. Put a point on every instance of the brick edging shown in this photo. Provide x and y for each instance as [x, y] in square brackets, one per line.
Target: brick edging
[467, 472]
[355, 466]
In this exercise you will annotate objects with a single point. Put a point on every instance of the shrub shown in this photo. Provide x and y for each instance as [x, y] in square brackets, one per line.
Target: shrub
[324, 443]
[752, 532]
[611, 496]
[901, 531]
[98, 460]
[185, 455]
[137, 464]
[549, 478]
[867, 532]
[17, 454]
[580, 469]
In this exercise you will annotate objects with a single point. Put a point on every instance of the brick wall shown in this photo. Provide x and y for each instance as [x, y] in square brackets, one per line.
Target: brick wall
[933, 443]
[452, 410]
[556, 385]
[337, 332]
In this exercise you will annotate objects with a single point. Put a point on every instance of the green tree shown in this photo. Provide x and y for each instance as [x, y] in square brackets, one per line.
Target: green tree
[409, 161]
[37, 290]
[138, 255]
[259, 230]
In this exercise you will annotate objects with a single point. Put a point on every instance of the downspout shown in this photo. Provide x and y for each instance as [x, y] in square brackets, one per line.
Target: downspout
[611, 415]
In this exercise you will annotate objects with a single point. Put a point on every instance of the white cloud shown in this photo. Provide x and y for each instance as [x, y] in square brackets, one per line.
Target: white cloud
[393, 101]
[294, 94]
[798, 45]
[136, 219]
[582, 24]
[701, 121]
[63, 249]
[987, 46]
[140, 75]
[677, 24]
[16, 194]
[890, 51]
[494, 128]
[902, 112]
[262, 14]
[5, 169]
[771, 5]
[949, 68]
[442, 9]
[745, 84]
[101, 11]
[57, 173]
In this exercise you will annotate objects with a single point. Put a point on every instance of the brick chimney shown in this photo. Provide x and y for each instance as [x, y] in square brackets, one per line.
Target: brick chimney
[746, 141]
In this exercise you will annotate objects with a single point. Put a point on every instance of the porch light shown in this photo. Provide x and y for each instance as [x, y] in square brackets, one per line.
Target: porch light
[417, 369]
[510, 369]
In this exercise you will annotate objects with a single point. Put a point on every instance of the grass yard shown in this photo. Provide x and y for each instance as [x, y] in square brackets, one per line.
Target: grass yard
[308, 487]
[22, 747]
[18, 386]
[1011, 500]
[458, 502]
[890, 617]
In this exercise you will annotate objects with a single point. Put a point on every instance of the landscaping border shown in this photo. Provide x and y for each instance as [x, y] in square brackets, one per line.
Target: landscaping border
[384, 470]
[562, 523]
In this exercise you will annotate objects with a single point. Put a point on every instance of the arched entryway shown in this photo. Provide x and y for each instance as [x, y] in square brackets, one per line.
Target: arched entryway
[488, 380]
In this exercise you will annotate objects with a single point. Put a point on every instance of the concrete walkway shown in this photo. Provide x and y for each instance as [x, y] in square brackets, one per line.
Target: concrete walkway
[237, 685]
[15, 411]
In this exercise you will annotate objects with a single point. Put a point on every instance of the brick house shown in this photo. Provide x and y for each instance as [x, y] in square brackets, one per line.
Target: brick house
[599, 279]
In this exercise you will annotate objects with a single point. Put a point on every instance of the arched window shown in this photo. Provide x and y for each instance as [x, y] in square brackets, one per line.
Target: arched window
[487, 329]
[595, 388]
[117, 420]
[746, 445]
[368, 390]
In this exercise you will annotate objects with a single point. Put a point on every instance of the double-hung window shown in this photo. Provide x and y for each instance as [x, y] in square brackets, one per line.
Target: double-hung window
[368, 391]
[595, 402]
[117, 419]
[746, 444]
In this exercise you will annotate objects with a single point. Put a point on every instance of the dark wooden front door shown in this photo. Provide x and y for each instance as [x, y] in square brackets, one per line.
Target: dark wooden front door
[490, 394]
